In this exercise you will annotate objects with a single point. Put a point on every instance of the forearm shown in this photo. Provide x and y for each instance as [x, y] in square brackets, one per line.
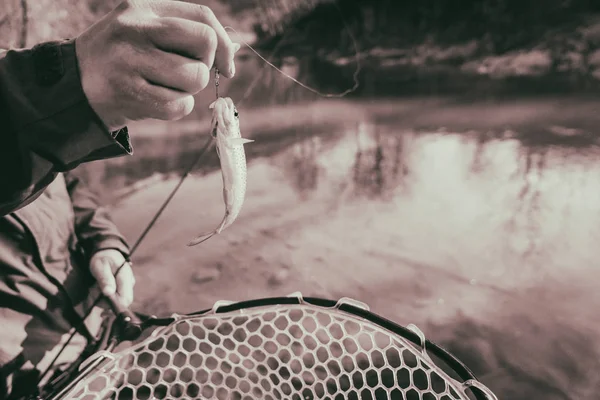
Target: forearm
[93, 225]
[47, 124]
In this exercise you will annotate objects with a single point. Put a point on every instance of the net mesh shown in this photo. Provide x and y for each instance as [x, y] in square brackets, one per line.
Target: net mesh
[290, 352]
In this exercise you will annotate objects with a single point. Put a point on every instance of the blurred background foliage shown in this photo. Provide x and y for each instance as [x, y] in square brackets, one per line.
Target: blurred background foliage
[504, 24]
[564, 33]
[433, 40]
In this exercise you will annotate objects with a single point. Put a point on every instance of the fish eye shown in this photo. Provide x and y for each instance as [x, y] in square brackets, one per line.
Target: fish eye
[236, 114]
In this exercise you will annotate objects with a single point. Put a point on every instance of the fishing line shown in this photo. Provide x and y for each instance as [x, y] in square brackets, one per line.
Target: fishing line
[317, 92]
[255, 81]
[217, 82]
[133, 249]
[197, 160]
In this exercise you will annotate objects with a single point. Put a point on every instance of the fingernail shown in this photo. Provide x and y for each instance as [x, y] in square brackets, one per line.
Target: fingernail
[236, 47]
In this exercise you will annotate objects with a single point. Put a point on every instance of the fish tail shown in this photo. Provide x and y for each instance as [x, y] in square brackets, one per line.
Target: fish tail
[205, 236]
[201, 238]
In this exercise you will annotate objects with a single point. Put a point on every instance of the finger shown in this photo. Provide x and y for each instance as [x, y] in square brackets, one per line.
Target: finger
[188, 38]
[155, 101]
[173, 71]
[125, 284]
[188, 9]
[104, 277]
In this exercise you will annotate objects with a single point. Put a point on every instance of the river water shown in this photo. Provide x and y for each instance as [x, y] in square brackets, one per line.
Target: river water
[486, 240]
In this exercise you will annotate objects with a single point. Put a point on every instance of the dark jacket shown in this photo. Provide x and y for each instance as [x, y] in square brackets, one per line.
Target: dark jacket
[50, 224]
[47, 124]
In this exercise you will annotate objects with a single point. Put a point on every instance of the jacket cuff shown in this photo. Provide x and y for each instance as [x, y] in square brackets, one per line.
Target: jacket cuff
[111, 242]
[54, 117]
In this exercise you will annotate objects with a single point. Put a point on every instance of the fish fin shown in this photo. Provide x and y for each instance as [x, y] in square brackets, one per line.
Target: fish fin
[212, 105]
[201, 238]
[205, 236]
[232, 142]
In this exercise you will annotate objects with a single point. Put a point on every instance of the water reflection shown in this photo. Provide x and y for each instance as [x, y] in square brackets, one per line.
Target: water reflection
[484, 238]
[378, 168]
[301, 167]
[376, 161]
[528, 199]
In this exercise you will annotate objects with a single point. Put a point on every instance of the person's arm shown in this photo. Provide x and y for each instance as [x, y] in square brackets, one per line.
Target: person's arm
[94, 227]
[103, 245]
[46, 123]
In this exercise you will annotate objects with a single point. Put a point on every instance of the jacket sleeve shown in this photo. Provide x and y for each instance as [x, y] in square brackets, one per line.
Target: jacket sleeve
[46, 123]
[94, 228]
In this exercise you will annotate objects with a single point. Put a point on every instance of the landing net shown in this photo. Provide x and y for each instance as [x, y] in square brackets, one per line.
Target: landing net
[281, 351]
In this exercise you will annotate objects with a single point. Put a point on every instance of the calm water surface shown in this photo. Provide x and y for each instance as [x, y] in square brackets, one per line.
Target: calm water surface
[487, 243]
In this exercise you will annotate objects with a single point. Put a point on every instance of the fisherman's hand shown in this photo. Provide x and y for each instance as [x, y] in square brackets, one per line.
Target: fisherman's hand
[146, 59]
[103, 265]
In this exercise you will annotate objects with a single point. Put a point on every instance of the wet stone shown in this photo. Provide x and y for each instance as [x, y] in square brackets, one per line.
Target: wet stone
[278, 277]
[206, 275]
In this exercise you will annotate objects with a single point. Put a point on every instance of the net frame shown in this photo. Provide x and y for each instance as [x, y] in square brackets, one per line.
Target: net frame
[111, 365]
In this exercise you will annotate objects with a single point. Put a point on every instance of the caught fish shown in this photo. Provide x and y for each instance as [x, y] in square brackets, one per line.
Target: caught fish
[230, 149]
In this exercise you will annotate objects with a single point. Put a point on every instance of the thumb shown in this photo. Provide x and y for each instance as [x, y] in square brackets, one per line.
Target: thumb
[105, 278]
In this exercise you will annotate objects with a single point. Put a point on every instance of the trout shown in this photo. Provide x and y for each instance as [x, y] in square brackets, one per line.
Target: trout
[230, 149]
